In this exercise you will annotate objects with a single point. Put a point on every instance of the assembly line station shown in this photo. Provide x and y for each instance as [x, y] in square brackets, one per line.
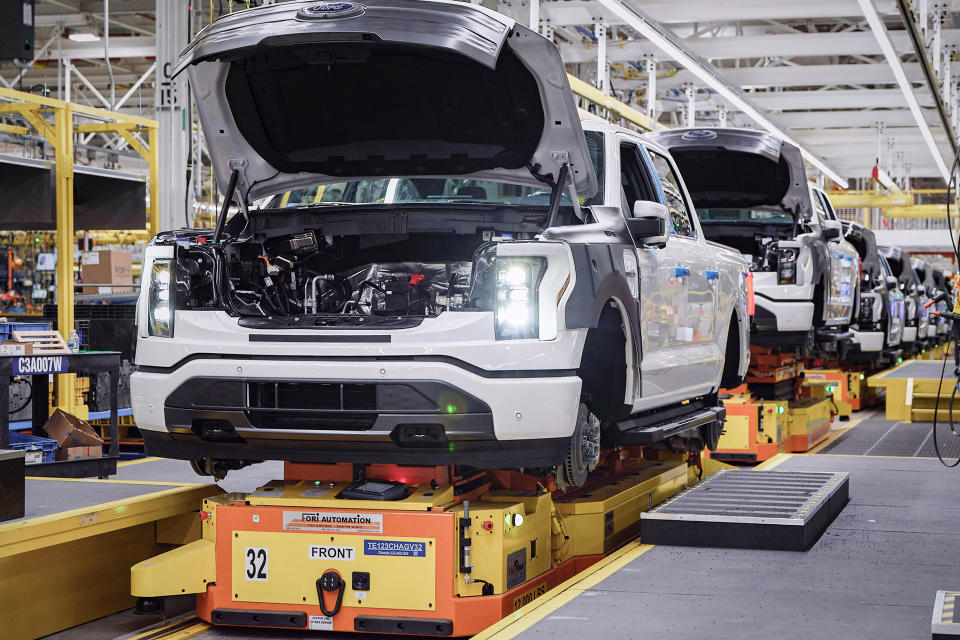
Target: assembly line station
[211, 433]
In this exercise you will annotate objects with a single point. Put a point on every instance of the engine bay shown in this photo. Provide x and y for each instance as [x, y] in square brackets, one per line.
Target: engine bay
[339, 280]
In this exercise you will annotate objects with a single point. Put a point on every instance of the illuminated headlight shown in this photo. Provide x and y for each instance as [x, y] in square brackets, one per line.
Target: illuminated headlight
[787, 265]
[517, 313]
[160, 304]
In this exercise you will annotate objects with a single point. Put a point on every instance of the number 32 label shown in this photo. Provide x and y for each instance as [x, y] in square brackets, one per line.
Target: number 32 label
[256, 564]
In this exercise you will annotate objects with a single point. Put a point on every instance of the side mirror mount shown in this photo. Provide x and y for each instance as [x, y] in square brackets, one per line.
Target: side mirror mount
[650, 224]
[891, 282]
[832, 230]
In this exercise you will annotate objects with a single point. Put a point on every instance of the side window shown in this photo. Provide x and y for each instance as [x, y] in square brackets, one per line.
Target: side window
[828, 210]
[634, 182]
[595, 148]
[679, 212]
[818, 211]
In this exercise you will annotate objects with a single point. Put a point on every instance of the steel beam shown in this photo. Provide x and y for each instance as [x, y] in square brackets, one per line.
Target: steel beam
[779, 45]
[580, 12]
[917, 42]
[171, 102]
[806, 75]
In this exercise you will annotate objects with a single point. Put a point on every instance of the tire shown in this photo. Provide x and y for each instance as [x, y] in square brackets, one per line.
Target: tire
[584, 452]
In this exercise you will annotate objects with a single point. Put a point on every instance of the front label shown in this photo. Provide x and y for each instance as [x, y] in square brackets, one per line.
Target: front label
[39, 364]
[516, 568]
[329, 552]
[321, 623]
[333, 522]
[394, 548]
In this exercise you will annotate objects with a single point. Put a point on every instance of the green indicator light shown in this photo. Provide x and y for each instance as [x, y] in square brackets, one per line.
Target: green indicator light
[862, 376]
[36, 239]
[899, 360]
[451, 408]
[316, 483]
[923, 350]
[780, 409]
[829, 388]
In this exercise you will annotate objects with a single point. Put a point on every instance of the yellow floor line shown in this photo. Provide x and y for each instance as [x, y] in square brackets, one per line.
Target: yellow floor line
[775, 461]
[180, 629]
[127, 463]
[563, 593]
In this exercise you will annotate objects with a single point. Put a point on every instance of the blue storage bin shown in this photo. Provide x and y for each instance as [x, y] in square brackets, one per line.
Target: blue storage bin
[7, 328]
[24, 442]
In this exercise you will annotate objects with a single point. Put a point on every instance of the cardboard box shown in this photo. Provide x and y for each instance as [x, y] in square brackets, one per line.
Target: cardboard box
[12, 348]
[75, 438]
[106, 267]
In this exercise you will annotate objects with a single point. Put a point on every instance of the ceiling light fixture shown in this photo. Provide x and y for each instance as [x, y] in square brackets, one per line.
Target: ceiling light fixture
[886, 46]
[653, 32]
[84, 36]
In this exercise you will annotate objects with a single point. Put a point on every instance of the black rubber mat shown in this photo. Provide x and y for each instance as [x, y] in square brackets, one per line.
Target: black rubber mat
[879, 437]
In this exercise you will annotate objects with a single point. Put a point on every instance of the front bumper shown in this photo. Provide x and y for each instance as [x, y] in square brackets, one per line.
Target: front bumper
[781, 308]
[909, 334]
[362, 410]
[868, 341]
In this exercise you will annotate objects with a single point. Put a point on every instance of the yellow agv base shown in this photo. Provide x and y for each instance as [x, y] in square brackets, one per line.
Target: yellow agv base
[299, 555]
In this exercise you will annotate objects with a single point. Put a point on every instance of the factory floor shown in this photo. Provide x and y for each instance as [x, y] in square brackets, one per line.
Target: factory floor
[873, 574]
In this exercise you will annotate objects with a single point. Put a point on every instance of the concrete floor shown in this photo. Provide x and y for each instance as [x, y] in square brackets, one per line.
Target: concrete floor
[873, 574]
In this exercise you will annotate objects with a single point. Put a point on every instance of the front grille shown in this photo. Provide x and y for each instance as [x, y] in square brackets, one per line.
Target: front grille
[326, 396]
[312, 405]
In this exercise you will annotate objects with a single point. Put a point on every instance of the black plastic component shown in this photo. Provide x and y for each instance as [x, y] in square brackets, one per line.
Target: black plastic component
[410, 626]
[255, 618]
[12, 485]
[331, 581]
[683, 426]
[149, 606]
[486, 453]
[360, 581]
[375, 490]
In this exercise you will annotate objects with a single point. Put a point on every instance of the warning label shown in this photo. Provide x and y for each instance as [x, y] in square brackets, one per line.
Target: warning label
[333, 522]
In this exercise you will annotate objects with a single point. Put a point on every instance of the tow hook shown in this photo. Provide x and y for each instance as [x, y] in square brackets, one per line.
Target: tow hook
[330, 581]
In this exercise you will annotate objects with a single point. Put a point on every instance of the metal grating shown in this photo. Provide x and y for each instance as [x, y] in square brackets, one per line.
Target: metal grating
[743, 508]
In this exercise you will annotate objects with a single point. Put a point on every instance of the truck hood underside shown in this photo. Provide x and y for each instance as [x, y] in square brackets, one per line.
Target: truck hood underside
[302, 93]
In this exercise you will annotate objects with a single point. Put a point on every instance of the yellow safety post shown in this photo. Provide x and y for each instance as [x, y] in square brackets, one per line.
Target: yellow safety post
[153, 160]
[63, 132]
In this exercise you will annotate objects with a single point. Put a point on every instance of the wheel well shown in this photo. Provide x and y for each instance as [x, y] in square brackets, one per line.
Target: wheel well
[603, 366]
[819, 302]
[731, 366]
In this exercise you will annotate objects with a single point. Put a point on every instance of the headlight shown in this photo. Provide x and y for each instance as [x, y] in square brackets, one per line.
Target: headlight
[787, 265]
[159, 303]
[517, 312]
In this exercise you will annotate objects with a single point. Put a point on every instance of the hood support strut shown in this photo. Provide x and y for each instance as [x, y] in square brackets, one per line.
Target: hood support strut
[557, 187]
[227, 199]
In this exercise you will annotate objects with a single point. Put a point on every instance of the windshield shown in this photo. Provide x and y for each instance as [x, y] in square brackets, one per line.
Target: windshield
[756, 216]
[437, 190]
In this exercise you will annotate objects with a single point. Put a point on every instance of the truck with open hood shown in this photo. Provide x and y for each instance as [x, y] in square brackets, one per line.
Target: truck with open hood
[752, 193]
[443, 267]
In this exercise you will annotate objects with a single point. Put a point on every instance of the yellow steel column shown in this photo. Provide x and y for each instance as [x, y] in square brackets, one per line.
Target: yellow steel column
[866, 218]
[153, 159]
[63, 126]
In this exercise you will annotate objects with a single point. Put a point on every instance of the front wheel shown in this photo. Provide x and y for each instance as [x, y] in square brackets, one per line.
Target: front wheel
[584, 452]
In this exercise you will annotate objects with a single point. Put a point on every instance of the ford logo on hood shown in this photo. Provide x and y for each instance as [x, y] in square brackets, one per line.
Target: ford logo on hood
[700, 134]
[328, 10]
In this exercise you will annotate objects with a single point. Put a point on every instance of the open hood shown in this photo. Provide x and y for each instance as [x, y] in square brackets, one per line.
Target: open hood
[300, 93]
[739, 168]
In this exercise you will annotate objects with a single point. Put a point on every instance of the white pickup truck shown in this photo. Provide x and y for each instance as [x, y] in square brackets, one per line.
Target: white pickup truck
[440, 272]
